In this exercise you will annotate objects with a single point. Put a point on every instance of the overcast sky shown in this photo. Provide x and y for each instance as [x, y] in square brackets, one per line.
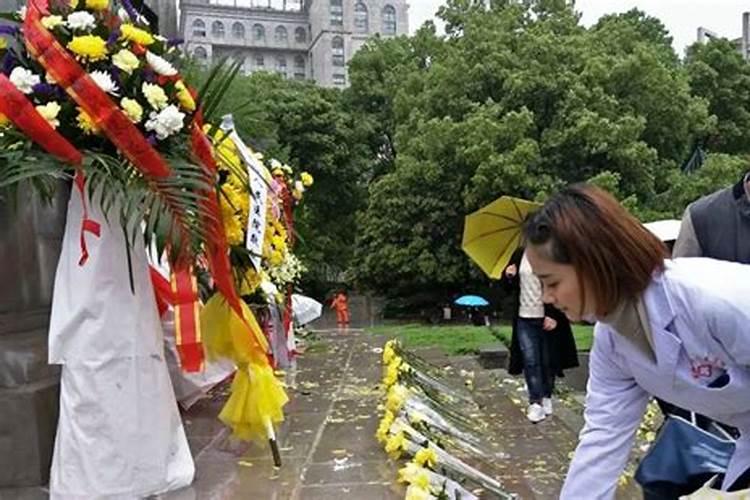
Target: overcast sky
[681, 17]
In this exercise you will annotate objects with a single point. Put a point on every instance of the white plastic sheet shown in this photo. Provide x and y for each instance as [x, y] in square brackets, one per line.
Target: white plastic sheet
[119, 435]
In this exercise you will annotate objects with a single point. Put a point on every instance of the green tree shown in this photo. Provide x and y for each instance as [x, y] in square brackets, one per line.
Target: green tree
[719, 74]
[520, 99]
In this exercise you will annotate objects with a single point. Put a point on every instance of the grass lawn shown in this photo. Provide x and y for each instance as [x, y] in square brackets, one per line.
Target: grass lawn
[464, 339]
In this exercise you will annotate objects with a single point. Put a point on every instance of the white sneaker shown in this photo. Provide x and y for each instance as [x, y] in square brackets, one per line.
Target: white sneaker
[547, 406]
[535, 413]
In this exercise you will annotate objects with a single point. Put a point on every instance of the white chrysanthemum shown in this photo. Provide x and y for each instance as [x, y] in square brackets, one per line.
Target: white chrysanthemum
[105, 82]
[299, 186]
[23, 79]
[160, 65]
[21, 13]
[123, 14]
[81, 20]
[166, 122]
[50, 79]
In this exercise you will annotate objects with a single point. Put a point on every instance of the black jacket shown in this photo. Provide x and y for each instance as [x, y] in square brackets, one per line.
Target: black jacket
[564, 352]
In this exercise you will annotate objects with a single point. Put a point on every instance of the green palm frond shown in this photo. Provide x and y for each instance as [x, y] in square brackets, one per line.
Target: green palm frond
[217, 84]
[169, 212]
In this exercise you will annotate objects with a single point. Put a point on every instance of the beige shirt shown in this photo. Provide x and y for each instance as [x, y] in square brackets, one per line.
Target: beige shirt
[531, 305]
[630, 319]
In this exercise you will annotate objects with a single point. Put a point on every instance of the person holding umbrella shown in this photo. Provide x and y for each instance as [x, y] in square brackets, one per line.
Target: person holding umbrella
[674, 329]
[542, 344]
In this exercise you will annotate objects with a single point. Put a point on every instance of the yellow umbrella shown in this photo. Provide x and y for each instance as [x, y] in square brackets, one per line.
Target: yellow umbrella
[492, 233]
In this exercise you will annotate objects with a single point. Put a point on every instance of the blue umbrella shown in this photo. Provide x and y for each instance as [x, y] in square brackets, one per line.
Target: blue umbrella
[471, 301]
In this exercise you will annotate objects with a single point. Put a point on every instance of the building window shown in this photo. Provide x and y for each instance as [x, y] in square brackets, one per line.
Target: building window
[361, 23]
[238, 30]
[200, 54]
[280, 35]
[259, 61]
[300, 35]
[299, 67]
[259, 33]
[337, 12]
[389, 20]
[337, 51]
[281, 66]
[199, 29]
[217, 29]
[339, 79]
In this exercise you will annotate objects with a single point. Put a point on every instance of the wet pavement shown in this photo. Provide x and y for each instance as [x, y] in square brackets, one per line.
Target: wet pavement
[327, 441]
[328, 445]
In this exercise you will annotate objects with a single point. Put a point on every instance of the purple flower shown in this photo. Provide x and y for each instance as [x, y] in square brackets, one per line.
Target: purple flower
[151, 138]
[113, 37]
[130, 10]
[44, 89]
[174, 42]
[149, 75]
[6, 29]
[9, 62]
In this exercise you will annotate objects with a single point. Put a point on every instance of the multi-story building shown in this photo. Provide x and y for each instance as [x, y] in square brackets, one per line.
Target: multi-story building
[301, 39]
[742, 43]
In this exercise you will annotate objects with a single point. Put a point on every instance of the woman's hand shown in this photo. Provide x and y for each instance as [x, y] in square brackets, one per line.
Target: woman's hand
[549, 324]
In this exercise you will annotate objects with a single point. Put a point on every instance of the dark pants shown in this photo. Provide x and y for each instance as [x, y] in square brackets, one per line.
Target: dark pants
[535, 346]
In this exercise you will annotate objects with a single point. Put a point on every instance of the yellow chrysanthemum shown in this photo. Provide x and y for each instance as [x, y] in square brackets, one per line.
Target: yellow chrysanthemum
[391, 375]
[228, 202]
[3, 43]
[250, 282]
[97, 4]
[396, 397]
[414, 492]
[51, 22]
[395, 444]
[3, 121]
[132, 109]
[73, 4]
[413, 473]
[85, 123]
[416, 417]
[278, 242]
[307, 179]
[426, 457]
[91, 47]
[385, 425]
[276, 259]
[388, 351]
[136, 35]
[184, 96]
[126, 61]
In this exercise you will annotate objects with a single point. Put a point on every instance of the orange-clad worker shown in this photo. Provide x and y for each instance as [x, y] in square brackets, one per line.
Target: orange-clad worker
[341, 304]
